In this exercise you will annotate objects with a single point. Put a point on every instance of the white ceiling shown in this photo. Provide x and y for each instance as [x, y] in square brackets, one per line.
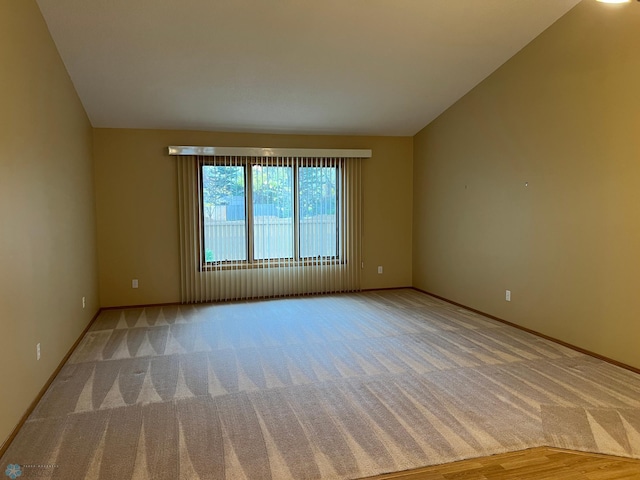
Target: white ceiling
[372, 67]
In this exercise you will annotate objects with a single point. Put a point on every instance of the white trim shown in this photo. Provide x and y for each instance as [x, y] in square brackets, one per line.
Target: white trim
[270, 152]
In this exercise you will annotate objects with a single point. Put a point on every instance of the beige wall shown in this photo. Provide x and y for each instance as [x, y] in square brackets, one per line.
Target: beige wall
[47, 215]
[136, 195]
[563, 115]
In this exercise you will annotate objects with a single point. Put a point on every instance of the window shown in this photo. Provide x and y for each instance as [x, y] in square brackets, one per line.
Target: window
[268, 222]
[257, 211]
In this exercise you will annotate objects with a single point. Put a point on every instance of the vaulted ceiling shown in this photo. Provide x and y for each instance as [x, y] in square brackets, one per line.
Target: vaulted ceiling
[371, 67]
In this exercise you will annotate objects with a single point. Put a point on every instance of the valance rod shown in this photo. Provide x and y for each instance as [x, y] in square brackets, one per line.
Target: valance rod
[270, 152]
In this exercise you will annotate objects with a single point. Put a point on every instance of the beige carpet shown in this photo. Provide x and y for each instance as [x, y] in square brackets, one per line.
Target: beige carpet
[331, 387]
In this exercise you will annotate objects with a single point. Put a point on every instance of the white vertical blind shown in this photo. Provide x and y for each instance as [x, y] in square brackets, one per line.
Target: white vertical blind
[256, 227]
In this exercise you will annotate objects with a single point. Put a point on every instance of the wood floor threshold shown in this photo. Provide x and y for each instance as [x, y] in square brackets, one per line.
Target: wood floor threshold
[43, 390]
[541, 335]
[539, 463]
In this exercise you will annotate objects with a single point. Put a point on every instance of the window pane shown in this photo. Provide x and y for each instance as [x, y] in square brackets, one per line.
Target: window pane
[272, 212]
[223, 200]
[318, 200]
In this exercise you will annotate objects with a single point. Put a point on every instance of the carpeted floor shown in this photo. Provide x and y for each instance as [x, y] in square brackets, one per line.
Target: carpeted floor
[331, 387]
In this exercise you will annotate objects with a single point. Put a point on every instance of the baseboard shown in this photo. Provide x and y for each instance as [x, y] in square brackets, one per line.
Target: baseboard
[143, 305]
[258, 299]
[385, 289]
[23, 419]
[541, 335]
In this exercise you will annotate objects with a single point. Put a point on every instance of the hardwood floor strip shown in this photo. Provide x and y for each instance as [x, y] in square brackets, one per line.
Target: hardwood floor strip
[540, 463]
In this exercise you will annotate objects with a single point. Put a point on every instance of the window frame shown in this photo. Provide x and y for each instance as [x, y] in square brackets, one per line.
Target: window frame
[296, 260]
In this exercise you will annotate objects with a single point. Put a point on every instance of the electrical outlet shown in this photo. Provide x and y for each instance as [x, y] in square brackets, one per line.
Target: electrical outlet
[134, 283]
[507, 296]
[84, 302]
[37, 351]
[380, 269]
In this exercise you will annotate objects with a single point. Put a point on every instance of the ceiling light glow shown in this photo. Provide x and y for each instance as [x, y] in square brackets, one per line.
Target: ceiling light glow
[614, 1]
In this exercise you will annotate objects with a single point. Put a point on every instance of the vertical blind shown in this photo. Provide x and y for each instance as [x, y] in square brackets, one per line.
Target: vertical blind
[258, 227]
